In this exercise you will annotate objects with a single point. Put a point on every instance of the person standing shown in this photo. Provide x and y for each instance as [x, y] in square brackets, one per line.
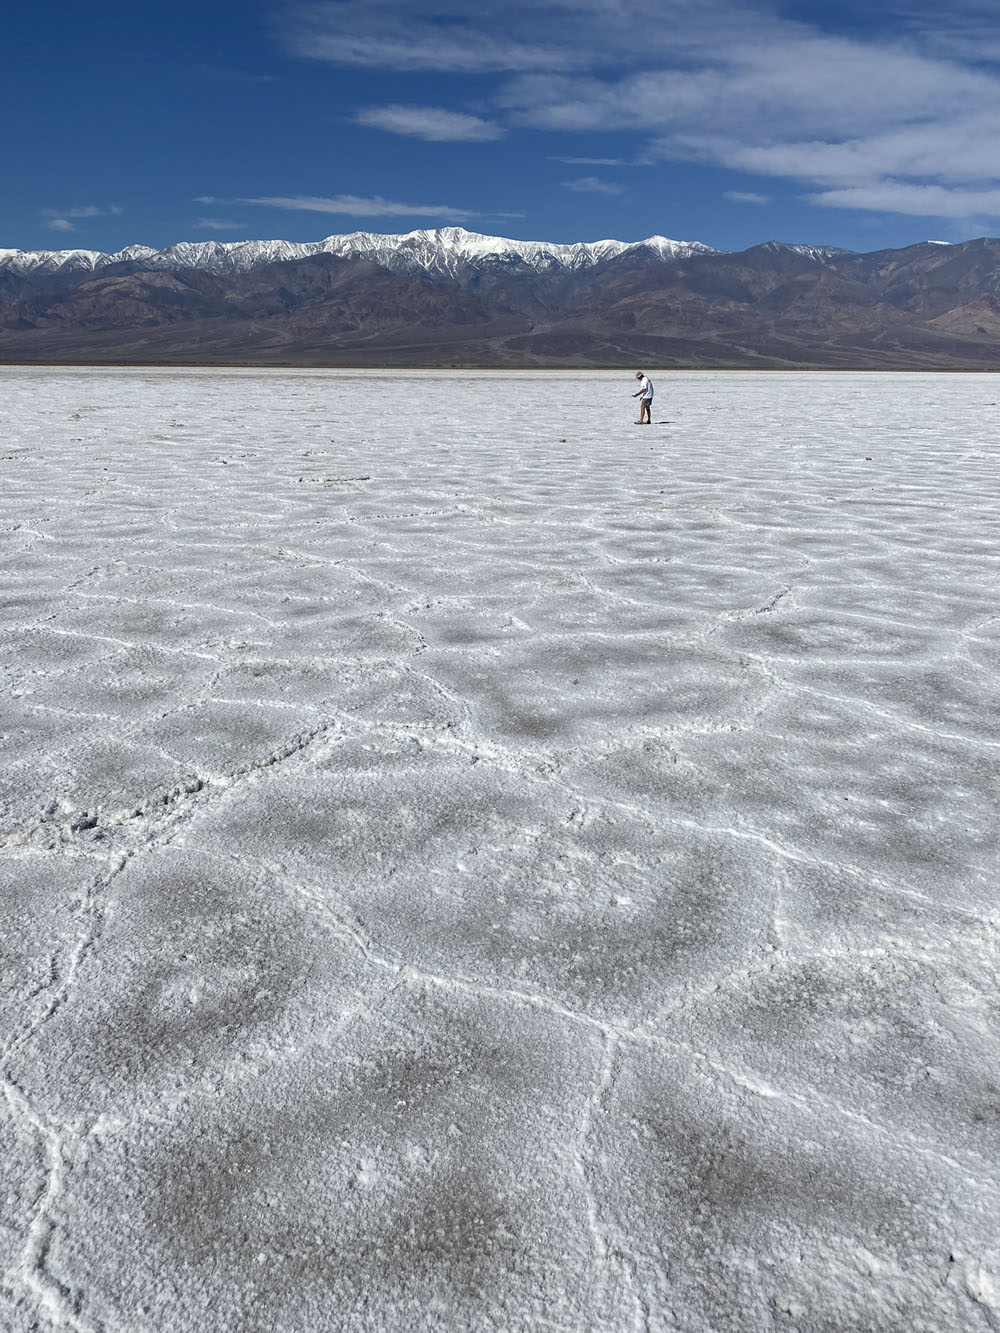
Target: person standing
[645, 396]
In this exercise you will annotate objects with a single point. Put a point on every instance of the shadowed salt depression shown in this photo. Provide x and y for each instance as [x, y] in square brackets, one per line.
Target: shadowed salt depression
[471, 863]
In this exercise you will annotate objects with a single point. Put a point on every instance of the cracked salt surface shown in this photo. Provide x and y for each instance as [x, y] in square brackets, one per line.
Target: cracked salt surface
[537, 875]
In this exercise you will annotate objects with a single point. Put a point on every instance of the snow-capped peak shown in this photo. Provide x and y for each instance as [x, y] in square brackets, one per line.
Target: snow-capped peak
[445, 250]
[821, 252]
[449, 249]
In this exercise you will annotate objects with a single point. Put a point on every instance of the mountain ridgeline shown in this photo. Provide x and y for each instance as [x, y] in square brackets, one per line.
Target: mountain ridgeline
[454, 298]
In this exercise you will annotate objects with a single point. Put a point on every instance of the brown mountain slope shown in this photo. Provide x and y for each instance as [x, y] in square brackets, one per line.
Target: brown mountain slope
[773, 305]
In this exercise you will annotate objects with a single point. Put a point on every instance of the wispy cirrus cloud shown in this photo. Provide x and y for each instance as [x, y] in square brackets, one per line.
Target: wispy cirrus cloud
[440, 35]
[64, 219]
[849, 117]
[746, 197]
[591, 161]
[970, 32]
[592, 185]
[471, 37]
[915, 200]
[216, 224]
[881, 103]
[87, 211]
[353, 205]
[432, 123]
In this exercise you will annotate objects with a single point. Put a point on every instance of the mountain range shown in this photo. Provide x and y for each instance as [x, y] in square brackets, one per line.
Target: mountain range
[452, 297]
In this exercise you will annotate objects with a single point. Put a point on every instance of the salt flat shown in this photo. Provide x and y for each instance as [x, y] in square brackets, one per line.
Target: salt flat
[473, 863]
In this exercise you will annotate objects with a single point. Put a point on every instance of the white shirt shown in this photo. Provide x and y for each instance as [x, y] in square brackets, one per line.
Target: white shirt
[646, 385]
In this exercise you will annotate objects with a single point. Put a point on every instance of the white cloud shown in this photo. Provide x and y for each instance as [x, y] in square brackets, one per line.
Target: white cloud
[822, 89]
[216, 224]
[960, 152]
[592, 161]
[428, 122]
[592, 185]
[61, 224]
[746, 197]
[61, 213]
[970, 32]
[355, 206]
[928, 201]
[422, 35]
[824, 111]
[906, 101]
[87, 211]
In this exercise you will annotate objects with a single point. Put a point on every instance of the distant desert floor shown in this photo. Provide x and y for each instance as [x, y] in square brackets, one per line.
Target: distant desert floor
[473, 863]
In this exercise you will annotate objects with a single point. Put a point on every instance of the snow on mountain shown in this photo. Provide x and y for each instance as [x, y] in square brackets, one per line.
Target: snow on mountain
[445, 250]
[52, 261]
[449, 249]
[819, 252]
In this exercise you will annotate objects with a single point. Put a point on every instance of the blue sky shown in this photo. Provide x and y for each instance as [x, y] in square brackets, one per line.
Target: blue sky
[730, 122]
